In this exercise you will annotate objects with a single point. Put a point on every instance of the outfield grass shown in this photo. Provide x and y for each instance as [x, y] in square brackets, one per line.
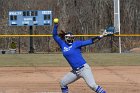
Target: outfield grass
[96, 59]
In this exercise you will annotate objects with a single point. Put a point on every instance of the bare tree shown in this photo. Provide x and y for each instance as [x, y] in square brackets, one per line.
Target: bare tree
[78, 16]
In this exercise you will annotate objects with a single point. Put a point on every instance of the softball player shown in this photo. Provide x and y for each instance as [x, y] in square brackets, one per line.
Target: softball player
[72, 52]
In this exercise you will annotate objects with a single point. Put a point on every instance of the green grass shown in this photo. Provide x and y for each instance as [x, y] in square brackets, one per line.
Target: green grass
[113, 59]
[96, 59]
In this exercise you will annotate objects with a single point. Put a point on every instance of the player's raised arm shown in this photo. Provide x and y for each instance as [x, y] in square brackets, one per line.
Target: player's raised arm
[55, 32]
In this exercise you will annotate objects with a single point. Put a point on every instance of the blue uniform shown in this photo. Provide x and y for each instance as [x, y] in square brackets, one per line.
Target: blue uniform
[72, 53]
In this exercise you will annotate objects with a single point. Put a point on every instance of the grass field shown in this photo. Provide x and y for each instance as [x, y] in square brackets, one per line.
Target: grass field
[96, 59]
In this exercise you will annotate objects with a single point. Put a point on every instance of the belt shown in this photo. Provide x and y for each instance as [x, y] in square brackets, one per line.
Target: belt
[78, 68]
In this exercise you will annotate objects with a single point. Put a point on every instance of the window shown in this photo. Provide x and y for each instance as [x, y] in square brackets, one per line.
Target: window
[46, 17]
[36, 13]
[24, 13]
[13, 17]
[32, 13]
[34, 18]
[28, 13]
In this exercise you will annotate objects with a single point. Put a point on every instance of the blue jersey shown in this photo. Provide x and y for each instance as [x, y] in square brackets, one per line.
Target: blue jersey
[72, 53]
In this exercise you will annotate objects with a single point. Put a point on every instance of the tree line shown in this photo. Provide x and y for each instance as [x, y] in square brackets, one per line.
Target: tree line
[77, 16]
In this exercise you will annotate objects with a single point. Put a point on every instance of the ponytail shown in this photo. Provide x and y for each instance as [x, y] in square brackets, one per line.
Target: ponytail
[62, 34]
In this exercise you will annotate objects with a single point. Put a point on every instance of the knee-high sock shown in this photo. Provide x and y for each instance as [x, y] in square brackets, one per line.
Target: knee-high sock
[64, 89]
[100, 90]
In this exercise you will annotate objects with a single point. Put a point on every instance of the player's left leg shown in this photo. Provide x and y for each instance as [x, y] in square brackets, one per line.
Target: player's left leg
[100, 90]
[67, 79]
[87, 75]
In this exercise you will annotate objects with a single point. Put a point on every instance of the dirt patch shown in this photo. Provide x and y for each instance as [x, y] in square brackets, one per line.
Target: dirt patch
[124, 79]
[135, 50]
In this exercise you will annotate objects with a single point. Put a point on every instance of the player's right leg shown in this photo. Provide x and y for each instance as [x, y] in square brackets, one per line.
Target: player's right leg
[67, 79]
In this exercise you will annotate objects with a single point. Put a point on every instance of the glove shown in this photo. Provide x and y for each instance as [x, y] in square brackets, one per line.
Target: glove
[105, 33]
[55, 20]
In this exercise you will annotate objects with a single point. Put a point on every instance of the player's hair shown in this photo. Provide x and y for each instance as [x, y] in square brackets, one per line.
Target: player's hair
[62, 34]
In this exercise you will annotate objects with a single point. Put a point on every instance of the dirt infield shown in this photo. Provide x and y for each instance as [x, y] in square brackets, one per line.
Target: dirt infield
[115, 79]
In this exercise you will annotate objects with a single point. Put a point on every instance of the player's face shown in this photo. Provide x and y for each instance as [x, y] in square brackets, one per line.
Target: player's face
[69, 38]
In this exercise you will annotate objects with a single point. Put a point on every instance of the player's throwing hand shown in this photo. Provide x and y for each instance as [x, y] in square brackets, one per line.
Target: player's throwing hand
[55, 20]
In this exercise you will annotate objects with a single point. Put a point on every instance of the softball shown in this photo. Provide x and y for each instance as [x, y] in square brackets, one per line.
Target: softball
[56, 20]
